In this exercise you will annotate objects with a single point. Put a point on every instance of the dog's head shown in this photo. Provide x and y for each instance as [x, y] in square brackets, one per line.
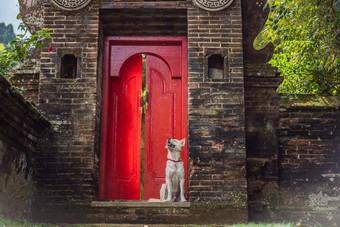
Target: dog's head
[173, 144]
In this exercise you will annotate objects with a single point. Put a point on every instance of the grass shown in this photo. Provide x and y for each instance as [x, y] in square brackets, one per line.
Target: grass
[24, 223]
[265, 225]
[21, 223]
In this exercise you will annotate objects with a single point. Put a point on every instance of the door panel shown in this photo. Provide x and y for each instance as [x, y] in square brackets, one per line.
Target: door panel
[124, 132]
[162, 120]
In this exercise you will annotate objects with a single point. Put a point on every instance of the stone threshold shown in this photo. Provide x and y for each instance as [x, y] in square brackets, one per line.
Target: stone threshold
[139, 204]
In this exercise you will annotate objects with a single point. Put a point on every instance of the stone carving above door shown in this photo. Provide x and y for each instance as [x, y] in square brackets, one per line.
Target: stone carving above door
[70, 5]
[213, 5]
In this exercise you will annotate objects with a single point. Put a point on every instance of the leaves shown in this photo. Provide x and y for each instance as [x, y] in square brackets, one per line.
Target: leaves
[20, 47]
[306, 39]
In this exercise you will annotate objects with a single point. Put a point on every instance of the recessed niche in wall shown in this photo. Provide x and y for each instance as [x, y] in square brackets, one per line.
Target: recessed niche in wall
[216, 64]
[68, 68]
[69, 62]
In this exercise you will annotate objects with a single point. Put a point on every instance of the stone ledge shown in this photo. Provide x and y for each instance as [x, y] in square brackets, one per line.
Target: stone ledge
[140, 204]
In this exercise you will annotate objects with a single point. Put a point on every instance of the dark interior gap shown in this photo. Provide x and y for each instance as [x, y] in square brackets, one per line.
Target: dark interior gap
[143, 131]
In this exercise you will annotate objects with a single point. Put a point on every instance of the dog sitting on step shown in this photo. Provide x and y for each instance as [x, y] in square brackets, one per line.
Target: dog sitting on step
[173, 190]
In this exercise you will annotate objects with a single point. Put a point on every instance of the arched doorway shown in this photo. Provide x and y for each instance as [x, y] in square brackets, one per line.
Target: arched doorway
[165, 111]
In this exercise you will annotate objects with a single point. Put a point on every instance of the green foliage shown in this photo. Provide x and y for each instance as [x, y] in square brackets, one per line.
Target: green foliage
[20, 223]
[306, 35]
[6, 33]
[20, 47]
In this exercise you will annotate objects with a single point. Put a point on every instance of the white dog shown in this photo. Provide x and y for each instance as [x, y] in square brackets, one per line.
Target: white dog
[173, 190]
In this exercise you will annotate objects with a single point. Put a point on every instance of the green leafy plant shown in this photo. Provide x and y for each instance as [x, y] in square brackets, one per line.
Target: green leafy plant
[306, 35]
[20, 47]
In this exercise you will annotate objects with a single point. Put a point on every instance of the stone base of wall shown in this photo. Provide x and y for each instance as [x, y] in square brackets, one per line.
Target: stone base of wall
[197, 213]
[311, 217]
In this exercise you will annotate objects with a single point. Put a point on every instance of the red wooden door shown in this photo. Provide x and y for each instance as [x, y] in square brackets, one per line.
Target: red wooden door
[124, 133]
[121, 118]
[163, 119]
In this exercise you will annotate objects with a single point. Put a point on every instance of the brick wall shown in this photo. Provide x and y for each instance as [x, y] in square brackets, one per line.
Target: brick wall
[29, 83]
[21, 126]
[229, 119]
[216, 108]
[262, 116]
[26, 77]
[73, 105]
[310, 158]
[65, 168]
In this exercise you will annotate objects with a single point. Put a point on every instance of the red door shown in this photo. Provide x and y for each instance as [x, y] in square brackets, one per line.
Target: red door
[124, 134]
[121, 116]
[163, 119]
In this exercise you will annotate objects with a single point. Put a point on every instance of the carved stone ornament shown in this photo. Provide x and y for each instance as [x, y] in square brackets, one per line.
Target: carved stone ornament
[213, 5]
[70, 5]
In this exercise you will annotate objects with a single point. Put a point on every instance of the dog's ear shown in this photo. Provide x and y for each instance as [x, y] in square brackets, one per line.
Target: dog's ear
[182, 142]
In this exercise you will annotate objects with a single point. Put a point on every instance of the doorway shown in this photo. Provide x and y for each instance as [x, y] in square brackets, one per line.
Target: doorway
[136, 112]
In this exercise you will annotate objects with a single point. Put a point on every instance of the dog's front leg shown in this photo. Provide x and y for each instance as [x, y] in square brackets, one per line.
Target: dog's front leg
[181, 181]
[169, 185]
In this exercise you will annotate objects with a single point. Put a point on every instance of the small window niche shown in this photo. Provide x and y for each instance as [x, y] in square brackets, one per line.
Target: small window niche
[69, 63]
[216, 65]
[69, 66]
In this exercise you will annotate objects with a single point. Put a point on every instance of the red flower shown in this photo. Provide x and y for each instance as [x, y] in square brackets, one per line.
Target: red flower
[50, 49]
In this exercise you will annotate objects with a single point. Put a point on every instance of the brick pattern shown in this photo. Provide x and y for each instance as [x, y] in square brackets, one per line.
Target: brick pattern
[260, 70]
[26, 77]
[309, 158]
[309, 140]
[21, 126]
[122, 4]
[30, 84]
[262, 117]
[144, 22]
[198, 213]
[228, 120]
[216, 108]
[65, 168]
